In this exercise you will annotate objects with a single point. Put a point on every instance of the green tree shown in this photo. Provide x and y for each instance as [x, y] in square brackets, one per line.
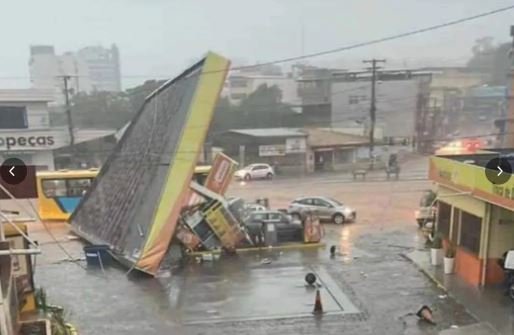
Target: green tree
[105, 110]
[263, 108]
[491, 59]
[101, 110]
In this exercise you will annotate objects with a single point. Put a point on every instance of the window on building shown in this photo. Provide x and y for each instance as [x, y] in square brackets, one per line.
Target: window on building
[13, 117]
[470, 230]
[343, 156]
[443, 218]
[353, 99]
[238, 83]
[238, 96]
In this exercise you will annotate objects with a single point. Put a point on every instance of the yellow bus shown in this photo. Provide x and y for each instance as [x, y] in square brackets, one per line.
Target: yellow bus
[60, 192]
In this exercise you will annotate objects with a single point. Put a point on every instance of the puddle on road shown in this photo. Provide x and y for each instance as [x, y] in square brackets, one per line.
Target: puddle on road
[258, 293]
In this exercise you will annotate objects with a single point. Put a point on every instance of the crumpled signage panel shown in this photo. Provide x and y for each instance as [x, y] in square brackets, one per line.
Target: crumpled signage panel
[135, 201]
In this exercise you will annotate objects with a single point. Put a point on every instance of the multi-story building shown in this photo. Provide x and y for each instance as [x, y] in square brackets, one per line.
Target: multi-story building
[397, 99]
[90, 69]
[241, 83]
[25, 131]
[448, 91]
[241, 86]
[315, 94]
[103, 66]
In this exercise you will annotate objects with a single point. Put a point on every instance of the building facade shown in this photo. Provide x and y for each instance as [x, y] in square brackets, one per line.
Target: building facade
[315, 94]
[90, 69]
[294, 150]
[240, 86]
[25, 130]
[397, 100]
[475, 214]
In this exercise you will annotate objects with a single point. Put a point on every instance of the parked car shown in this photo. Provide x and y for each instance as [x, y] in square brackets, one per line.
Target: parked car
[255, 171]
[327, 209]
[426, 214]
[255, 208]
[288, 230]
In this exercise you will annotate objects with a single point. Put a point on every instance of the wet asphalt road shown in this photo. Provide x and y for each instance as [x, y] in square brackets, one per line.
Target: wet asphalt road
[241, 295]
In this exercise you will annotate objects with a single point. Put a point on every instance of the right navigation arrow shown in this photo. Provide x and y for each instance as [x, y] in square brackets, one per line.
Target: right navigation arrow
[501, 171]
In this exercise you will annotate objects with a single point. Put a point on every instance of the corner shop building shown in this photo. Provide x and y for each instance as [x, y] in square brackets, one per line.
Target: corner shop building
[475, 214]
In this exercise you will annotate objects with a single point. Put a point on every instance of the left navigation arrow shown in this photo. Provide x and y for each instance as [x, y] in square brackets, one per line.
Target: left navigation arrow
[13, 171]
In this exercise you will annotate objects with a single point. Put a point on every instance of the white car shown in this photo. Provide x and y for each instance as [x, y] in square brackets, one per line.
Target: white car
[255, 208]
[255, 171]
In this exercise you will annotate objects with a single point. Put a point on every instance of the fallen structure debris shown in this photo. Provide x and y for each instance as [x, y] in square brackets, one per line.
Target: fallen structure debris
[135, 202]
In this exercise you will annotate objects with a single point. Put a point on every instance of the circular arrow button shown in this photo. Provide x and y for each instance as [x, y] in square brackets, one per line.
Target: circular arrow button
[498, 171]
[13, 171]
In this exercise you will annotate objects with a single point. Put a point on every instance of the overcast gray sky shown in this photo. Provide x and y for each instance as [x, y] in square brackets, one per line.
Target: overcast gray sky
[160, 37]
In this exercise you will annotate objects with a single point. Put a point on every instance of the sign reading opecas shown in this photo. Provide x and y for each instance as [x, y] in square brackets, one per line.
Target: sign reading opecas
[20, 142]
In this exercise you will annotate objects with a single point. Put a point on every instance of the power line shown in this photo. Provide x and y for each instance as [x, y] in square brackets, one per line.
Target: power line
[381, 40]
[360, 44]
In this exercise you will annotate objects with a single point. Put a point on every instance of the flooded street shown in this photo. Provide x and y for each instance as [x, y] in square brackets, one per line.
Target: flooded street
[367, 288]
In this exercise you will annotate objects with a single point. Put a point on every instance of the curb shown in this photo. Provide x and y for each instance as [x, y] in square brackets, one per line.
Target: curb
[440, 286]
[427, 274]
[253, 249]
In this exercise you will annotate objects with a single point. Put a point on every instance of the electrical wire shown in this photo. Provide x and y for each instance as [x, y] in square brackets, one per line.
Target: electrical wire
[366, 43]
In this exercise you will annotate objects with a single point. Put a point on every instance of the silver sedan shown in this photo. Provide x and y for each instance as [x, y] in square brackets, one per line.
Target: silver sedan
[327, 209]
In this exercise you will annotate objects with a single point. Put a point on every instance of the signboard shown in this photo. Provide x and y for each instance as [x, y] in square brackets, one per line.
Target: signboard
[33, 140]
[295, 145]
[272, 150]
[471, 178]
[221, 173]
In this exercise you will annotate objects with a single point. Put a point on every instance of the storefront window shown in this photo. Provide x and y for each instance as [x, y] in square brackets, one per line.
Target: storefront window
[444, 215]
[471, 227]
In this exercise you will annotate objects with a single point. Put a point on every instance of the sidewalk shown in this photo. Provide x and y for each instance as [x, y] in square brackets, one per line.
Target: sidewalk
[488, 305]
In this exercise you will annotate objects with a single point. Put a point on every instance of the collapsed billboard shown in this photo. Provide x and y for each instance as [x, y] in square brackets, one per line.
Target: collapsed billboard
[135, 201]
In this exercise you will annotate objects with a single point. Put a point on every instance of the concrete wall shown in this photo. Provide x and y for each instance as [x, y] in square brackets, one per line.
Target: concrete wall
[44, 158]
[502, 232]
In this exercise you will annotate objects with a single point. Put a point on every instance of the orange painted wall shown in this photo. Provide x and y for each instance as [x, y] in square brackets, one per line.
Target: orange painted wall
[494, 274]
[468, 266]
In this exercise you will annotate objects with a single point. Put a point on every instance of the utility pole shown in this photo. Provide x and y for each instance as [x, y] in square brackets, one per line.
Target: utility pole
[66, 92]
[373, 106]
[508, 136]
